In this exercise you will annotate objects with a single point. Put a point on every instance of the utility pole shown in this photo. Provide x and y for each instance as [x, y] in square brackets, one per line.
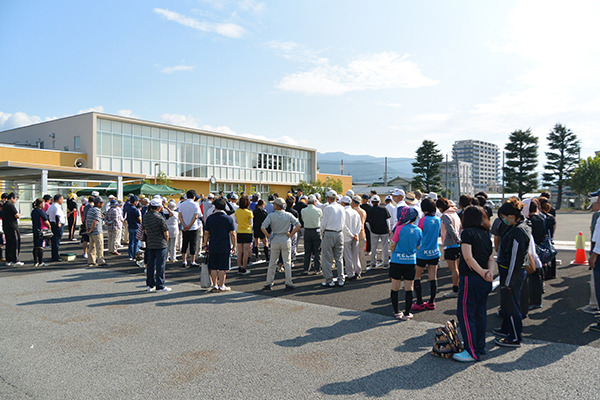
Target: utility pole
[458, 193]
[503, 152]
[342, 168]
[447, 173]
[385, 175]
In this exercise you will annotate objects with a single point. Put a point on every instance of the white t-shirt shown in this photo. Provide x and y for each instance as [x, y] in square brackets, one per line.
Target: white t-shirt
[173, 224]
[188, 209]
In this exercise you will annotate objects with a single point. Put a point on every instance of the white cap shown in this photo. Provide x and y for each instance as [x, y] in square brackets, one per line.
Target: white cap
[388, 198]
[311, 198]
[318, 195]
[156, 202]
[345, 200]
[211, 196]
[375, 198]
[350, 193]
[156, 196]
[95, 193]
[338, 197]
[331, 193]
[432, 195]
[592, 201]
[398, 192]
[111, 196]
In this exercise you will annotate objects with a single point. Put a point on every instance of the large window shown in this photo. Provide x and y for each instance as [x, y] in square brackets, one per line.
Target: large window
[135, 148]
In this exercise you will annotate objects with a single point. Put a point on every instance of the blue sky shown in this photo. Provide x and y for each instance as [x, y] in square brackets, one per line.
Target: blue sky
[359, 77]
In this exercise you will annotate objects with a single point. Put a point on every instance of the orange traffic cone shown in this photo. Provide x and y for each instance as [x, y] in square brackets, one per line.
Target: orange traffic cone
[580, 256]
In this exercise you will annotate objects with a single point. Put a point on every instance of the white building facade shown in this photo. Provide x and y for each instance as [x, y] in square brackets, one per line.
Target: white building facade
[485, 160]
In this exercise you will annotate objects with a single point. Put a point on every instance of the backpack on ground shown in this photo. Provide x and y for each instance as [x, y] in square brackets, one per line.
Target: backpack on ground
[446, 341]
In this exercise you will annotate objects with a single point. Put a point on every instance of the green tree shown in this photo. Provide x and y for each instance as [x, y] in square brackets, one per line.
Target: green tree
[562, 160]
[163, 179]
[426, 167]
[586, 176]
[321, 187]
[521, 161]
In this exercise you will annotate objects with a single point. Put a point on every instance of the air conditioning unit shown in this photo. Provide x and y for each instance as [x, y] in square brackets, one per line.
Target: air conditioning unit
[80, 163]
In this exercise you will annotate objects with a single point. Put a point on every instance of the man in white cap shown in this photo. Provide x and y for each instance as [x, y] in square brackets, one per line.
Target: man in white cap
[95, 193]
[350, 193]
[280, 240]
[107, 207]
[398, 197]
[207, 206]
[332, 246]
[352, 228]
[378, 222]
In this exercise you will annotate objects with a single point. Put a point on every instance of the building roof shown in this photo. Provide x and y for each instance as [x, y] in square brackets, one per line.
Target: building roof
[19, 171]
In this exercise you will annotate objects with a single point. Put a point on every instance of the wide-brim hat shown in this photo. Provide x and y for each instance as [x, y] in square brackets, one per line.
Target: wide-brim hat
[410, 199]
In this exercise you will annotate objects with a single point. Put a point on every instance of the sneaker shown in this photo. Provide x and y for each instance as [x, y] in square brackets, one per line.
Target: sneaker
[463, 356]
[130, 258]
[214, 289]
[340, 283]
[244, 272]
[386, 266]
[194, 265]
[330, 284]
[19, 264]
[429, 306]
[268, 287]
[290, 287]
[85, 256]
[499, 332]
[150, 289]
[399, 315]
[451, 295]
[184, 264]
[9, 264]
[534, 307]
[224, 289]
[406, 317]
[42, 264]
[36, 264]
[165, 289]
[506, 342]
[595, 327]
[591, 310]
[417, 307]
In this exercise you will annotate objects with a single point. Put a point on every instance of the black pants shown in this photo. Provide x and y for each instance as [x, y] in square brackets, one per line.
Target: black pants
[71, 220]
[536, 286]
[368, 237]
[13, 245]
[512, 303]
[312, 246]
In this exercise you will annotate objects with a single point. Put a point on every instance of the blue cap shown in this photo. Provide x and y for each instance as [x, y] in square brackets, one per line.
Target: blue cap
[133, 198]
[596, 193]
[113, 202]
[406, 214]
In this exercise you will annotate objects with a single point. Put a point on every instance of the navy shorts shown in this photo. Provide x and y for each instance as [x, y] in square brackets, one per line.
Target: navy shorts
[453, 253]
[424, 263]
[403, 271]
[218, 261]
[244, 238]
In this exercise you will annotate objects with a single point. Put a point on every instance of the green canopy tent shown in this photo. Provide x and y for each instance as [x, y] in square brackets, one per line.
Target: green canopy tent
[149, 189]
[104, 189]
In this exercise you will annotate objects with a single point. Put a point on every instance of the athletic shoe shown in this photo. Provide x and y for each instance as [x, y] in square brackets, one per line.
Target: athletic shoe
[244, 272]
[85, 256]
[429, 306]
[42, 265]
[451, 295]
[150, 289]
[406, 317]
[591, 310]
[214, 289]
[506, 342]
[595, 327]
[9, 264]
[534, 307]
[330, 284]
[290, 287]
[386, 266]
[499, 332]
[194, 265]
[224, 288]
[399, 315]
[130, 259]
[184, 264]
[19, 264]
[268, 287]
[417, 307]
[165, 289]
[340, 283]
[463, 356]
[36, 264]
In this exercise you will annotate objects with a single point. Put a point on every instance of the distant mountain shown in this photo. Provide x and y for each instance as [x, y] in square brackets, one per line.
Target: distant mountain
[364, 168]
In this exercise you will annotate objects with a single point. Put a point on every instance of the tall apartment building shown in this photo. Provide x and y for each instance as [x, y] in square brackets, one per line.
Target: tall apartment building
[485, 159]
[451, 181]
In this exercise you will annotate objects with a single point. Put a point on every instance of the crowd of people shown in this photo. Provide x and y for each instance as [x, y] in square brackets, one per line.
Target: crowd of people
[344, 232]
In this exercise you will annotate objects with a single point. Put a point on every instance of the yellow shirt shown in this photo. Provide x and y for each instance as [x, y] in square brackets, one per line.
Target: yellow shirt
[243, 216]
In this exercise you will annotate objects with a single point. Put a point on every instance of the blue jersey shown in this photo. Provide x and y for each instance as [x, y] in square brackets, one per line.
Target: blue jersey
[409, 238]
[430, 248]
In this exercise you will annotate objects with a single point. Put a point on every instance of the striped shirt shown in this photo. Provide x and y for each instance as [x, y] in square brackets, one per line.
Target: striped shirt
[155, 226]
[94, 214]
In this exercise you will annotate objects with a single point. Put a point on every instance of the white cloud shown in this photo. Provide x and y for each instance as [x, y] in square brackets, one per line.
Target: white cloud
[250, 5]
[18, 119]
[396, 105]
[370, 71]
[99, 109]
[226, 29]
[181, 120]
[127, 113]
[170, 70]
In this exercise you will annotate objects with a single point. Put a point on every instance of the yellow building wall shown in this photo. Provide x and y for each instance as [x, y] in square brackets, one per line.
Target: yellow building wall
[346, 180]
[38, 156]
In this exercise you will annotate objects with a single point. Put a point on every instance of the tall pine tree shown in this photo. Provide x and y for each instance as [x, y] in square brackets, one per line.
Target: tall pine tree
[426, 167]
[521, 161]
[562, 160]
